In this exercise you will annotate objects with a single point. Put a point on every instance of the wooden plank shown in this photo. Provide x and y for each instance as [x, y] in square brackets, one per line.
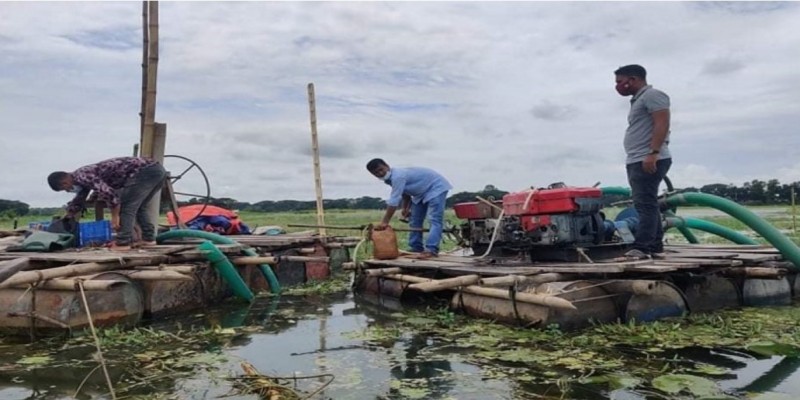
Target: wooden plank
[717, 246]
[652, 268]
[696, 262]
[492, 270]
[759, 250]
[753, 258]
[691, 253]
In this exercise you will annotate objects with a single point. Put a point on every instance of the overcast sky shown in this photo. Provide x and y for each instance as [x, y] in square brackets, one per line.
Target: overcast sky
[511, 94]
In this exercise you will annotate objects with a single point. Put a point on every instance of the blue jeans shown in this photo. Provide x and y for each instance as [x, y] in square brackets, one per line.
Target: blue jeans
[434, 210]
[135, 195]
[644, 190]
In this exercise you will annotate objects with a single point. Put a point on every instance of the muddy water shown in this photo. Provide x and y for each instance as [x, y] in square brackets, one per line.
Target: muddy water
[307, 336]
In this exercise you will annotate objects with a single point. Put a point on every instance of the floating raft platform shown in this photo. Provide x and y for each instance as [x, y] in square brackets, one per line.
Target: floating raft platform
[40, 293]
[689, 278]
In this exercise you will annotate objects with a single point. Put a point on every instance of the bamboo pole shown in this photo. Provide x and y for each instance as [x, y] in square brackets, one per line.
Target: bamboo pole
[794, 213]
[25, 277]
[443, 284]
[383, 271]
[349, 266]
[489, 203]
[356, 228]
[70, 284]
[312, 107]
[757, 272]
[157, 275]
[408, 278]
[524, 297]
[638, 286]
[532, 298]
[511, 280]
[11, 267]
[275, 260]
[146, 146]
[145, 45]
[183, 269]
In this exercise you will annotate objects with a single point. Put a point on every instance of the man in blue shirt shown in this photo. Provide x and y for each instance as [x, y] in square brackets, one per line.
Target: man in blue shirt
[420, 192]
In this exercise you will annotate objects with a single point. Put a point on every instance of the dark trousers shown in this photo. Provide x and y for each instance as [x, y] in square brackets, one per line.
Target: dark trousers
[134, 198]
[644, 189]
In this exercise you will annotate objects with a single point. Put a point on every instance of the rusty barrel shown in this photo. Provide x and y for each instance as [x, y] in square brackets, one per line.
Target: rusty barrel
[647, 300]
[592, 302]
[121, 304]
[709, 293]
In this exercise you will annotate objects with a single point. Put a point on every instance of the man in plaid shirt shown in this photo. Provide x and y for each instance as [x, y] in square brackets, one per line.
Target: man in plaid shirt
[124, 184]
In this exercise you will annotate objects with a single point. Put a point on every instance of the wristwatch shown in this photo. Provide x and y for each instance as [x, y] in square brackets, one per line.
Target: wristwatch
[653, 151]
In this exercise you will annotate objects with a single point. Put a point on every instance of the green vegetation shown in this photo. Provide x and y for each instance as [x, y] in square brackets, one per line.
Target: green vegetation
[646, 357]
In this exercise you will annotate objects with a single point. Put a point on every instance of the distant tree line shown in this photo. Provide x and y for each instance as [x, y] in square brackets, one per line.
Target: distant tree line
[755, 192]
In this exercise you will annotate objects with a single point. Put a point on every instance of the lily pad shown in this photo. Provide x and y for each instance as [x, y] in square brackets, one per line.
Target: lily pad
[35, 360]
[421, 321]
[615, 381]
[769, 396]
[676, 383]
[768, 348]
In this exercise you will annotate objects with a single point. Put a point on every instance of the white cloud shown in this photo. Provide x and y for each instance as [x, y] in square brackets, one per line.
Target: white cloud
[512, 94]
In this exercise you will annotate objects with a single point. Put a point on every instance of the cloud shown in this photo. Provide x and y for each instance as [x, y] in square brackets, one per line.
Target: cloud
[548, 111]
[513, 94]
[721, 66]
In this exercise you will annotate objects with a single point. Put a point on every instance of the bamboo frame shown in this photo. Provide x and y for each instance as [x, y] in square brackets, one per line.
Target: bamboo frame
[145, 45]
[312, 107]
[148, 131]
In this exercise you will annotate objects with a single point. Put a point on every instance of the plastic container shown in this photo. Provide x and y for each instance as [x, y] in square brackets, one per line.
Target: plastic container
[95, 233]
[385, 244]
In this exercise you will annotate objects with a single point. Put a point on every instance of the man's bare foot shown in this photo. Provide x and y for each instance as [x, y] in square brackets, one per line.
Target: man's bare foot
[143, 243]
[119, 247]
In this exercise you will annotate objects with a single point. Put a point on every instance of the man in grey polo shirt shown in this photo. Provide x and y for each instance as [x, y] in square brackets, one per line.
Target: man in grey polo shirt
[648, 158]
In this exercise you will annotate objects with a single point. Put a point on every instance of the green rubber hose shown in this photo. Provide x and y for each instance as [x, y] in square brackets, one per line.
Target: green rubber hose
[266, 270]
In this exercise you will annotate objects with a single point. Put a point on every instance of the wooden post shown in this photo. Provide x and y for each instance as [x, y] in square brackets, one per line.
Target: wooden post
[312, 107]
[148, 128]
[159, 144]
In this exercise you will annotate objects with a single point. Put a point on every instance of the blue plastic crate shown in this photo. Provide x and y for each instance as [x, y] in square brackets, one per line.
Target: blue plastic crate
[96, 233]
[39, 226]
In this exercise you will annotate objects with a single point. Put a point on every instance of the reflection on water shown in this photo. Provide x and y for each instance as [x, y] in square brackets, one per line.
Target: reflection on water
[308, 336]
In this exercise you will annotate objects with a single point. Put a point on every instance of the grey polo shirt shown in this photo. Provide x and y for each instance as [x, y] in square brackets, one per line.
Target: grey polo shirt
[640, 124]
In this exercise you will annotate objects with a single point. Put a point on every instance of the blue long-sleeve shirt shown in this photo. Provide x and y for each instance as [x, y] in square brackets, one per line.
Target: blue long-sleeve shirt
[422, 184]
